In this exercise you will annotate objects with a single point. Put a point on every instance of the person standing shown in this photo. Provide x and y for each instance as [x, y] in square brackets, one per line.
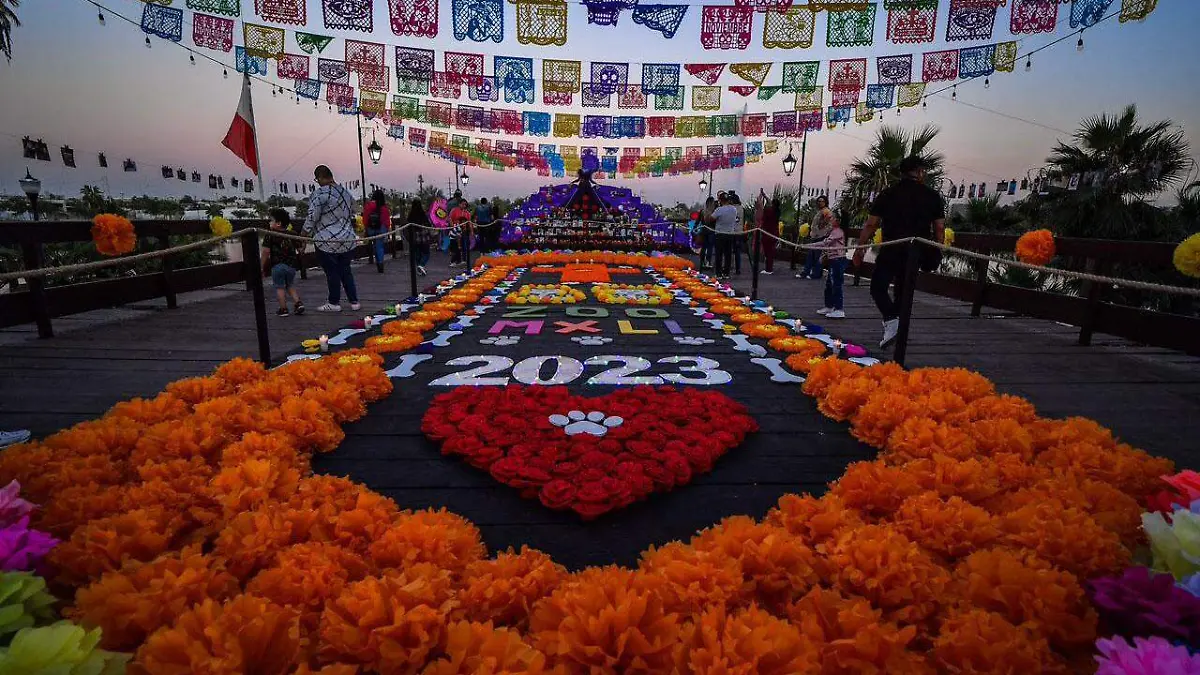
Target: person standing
[484, 219]
[910, 208]
[330, 223]
[725, 219]
[422, 235]
[822, 224]
[378, 219]
[740, 236]
[708, 238]
[283, 260]
[833, 254]
[770, 230]
[460, 219]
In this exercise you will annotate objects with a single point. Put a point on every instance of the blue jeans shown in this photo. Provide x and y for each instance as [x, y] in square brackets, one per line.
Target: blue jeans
[337, 275]
[377, 245]
[422, 252]
[833, 283]
[812, 264]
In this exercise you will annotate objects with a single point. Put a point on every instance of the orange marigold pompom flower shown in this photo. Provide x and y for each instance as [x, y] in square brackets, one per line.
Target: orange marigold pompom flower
[747, 316]
[250, 541]
[825, 374]
[794, 344]
[272, 447]
[816, 521]
[444, 539]
[112, 438]
[307, 421]
[75, 505]
[882, 565]
[134, 602]
[343, 400]
[922, 437]
[364, 524]
[874, 488]
[253, 483]
[151, 411]
[502, 590]
[1112, 509]
[601, 622]
[1036, 247]
[474, 648]
[967, 384]
[844, 398]
[113, 235]
[240, 371]
[243, 635]
[444, 305]
[1000, 406]
[389, 624]
[1067, 537]
[1027, 590]
[777, 565]
[979, 641]
[693, 579]
[306, 576]
[368, 379]
[104, 545]
[194, 390]
[881, 414]
[853, 637]
[950, 527]
[228, 413]
[435, 316]
[1130, 470]
[974, 480]
[1000, 436]
[746, 641]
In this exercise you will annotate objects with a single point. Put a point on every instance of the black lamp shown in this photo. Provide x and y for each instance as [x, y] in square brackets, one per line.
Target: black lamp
[32, 187]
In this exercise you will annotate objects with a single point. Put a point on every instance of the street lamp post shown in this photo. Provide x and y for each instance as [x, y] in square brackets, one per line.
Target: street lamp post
[32, 188]
[789, 165]
[31, 254]
[707, 184]
[362, 164]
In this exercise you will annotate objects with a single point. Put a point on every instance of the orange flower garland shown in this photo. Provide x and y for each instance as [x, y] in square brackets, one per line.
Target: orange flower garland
[113, 235]
[435, 316]
[444, 305]
[197, 537]
[764, 330]
[668, 262]
[1036, 247]
[410, 325]
[393, 342]
[751, 317]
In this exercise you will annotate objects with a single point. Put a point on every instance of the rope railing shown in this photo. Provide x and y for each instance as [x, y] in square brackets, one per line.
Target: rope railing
[124, 260]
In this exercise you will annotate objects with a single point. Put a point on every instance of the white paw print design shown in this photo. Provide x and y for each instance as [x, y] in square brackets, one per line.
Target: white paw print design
[500, 340]
[591, 340]
[595, 422]
[693, 341]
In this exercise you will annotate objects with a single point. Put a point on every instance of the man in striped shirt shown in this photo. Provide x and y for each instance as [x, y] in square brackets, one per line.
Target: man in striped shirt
[331, 223]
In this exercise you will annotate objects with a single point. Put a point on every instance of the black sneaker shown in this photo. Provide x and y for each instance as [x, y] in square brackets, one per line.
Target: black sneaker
[282, 311]
[299, 308]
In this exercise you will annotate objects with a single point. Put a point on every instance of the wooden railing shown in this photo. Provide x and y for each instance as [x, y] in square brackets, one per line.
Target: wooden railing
[38, 303]
[1089, 310]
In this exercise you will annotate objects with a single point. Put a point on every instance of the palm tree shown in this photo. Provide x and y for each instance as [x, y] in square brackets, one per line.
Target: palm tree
[8, 19]
[880, 167]
[984, 214]
[1122, 163]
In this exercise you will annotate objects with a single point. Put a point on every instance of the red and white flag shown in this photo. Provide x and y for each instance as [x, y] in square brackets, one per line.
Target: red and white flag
[240, 137]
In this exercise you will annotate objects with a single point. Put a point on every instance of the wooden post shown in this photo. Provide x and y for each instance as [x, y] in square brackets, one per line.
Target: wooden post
[252, 257]
[1093, 291]
[981, 277]
[412, 257]
[33, 259]
[906, 301]
[755, 252]
[168, 266]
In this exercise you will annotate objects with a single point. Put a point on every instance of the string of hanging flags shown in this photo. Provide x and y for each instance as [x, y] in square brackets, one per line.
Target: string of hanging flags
[784, 24]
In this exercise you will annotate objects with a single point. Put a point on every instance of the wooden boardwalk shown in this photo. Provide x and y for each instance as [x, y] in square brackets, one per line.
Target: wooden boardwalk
[1149, 397]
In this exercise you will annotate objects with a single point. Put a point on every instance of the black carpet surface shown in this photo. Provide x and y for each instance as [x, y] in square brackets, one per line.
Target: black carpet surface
[796, 450]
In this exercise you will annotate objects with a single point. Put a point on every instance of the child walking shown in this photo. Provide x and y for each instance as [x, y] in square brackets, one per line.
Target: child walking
[833, 256]
[283, 256]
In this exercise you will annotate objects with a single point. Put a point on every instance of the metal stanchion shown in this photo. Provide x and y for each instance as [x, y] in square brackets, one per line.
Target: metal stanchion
[252, 255]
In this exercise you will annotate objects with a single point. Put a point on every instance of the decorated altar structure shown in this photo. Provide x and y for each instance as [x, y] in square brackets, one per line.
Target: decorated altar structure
[584, 214]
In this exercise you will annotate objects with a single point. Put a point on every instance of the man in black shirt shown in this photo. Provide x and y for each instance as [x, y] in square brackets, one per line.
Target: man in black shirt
[907, 209]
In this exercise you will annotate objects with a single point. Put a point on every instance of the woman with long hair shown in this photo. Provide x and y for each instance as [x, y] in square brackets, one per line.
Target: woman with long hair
[822, 225]
[377, 219]
[422, 235]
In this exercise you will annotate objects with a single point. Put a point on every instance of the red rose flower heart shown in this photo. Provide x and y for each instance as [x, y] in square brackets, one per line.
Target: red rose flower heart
[589, 455]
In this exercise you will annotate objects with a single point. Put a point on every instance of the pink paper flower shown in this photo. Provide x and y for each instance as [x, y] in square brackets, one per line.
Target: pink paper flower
[21, 548]
[12, 507]
[1153, 656]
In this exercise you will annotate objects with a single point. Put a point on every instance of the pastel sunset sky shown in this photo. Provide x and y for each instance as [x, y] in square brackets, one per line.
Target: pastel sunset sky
[99, 89]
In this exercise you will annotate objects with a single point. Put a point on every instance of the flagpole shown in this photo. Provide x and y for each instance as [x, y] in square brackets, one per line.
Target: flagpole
[257, 154]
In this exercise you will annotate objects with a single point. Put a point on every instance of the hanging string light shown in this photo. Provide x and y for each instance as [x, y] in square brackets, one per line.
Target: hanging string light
[147, 42]
[100, 16]
[225, 73]
[1028, 64]
[1079, 45]
[987, 83]
[192, 58]
[954, 93]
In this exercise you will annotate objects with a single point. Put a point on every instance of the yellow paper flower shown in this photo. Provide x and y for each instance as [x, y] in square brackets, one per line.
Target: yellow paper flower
[805, 229]
[948, 236]
[1187, 256]
[220, 226]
